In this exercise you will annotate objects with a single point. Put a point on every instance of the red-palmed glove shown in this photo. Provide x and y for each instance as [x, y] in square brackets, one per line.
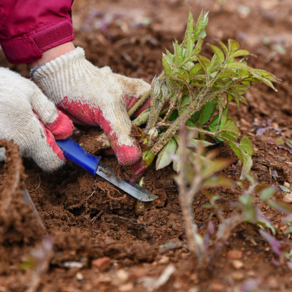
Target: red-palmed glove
[96, 97]
[32, 121]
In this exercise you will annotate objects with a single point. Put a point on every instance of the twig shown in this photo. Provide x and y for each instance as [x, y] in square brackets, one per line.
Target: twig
[38, 185]
[89, 196]
[96, 217]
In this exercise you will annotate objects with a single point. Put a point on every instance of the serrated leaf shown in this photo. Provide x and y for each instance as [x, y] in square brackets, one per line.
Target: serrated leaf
[246, 145]
[214, 66]
[178, 53]
[227, 73]
[232, 128]
[198, 27]
[218, 53]
[232, 46]
[240, 53]
[267, 193]
[224, 48]
[207, 112]
[164, 157]
[238, 65]
[168, 65]
[198, 47]
[195, 70]
[205, 62]
[236, 150]
[266, 74]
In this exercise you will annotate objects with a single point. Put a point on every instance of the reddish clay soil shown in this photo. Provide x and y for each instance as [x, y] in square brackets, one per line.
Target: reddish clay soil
[93, 224]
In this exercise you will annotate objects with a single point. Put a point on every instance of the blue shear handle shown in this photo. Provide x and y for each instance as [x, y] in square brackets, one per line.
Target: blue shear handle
[78, 155]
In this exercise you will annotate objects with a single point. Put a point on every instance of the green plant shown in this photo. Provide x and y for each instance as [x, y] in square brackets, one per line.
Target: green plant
[198, 173]
[195, 91]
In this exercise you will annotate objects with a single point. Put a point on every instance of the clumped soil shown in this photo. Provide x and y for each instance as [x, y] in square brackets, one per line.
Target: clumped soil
[89, 219]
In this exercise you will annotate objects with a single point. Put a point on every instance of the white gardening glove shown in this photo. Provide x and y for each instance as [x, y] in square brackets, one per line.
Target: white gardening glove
[31, 120]
[94, 96]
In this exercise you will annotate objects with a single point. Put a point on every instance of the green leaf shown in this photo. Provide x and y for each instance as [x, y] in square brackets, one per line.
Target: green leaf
[178, 53]
[217, 181]
[198, 27]
[194, 143]
[231, 128]
[218, 53]
[236, 150]
[173, 116]
[207, 112]
[246, 145]
[28, 264]
[198, 47]
[195, 70]
[168, 65]
[164, 157]
[266, 74]
[214, 166]
[232, 46]
[205, 62]
[227, 73]
[195, 117]
[267, 193]
[224, 48]
[240, 53]
[238, 65]
[286, 220]
[284, 189]
[228, 135]
[246, 165]
[281, 206]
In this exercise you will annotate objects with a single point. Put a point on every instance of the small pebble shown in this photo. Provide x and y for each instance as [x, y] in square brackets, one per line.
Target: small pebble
[79, 276]
[122, 275]
[237, 276]
[286, 184]
[234, 254]
[126, 287]
[216, 287]
[102, 263]
[237, 264]
[251, 273]
[164, 260]
[185, 255]
[287, 198]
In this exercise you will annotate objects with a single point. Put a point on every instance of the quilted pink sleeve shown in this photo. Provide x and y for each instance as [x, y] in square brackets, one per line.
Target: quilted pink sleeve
[30, 27]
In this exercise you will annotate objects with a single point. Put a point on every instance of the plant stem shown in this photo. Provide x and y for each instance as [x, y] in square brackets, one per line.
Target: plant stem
[188, 113]
[139, 102]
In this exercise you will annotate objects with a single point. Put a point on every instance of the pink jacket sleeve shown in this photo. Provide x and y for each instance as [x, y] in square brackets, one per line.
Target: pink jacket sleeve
[30, 27]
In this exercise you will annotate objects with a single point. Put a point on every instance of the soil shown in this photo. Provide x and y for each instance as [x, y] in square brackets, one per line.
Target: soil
[102, 242]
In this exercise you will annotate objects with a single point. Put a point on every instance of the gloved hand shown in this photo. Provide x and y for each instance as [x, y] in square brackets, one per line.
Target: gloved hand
[94, 96]
[31, 120]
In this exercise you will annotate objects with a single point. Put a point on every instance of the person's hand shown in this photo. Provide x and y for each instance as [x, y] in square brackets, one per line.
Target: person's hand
[32, 121]
[94, 96]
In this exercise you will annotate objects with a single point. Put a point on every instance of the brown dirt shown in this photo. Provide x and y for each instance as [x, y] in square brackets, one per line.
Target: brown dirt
[90, 219]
